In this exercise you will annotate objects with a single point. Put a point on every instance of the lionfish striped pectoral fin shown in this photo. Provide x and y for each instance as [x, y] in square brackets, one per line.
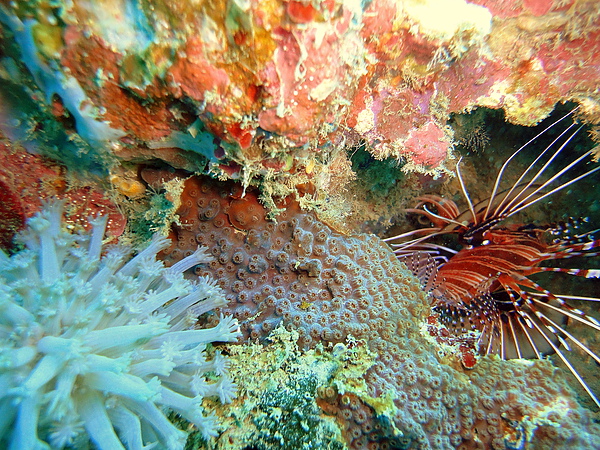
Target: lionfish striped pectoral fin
[542, 317]
[564, 250]
[554, 329]
[424, 266]
[585, 273]
[511, 337]
[581, 250]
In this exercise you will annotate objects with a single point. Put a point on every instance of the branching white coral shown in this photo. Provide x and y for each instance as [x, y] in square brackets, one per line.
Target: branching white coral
[94, 343]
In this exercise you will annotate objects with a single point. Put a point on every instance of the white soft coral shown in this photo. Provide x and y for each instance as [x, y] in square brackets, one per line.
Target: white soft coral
[99, 345]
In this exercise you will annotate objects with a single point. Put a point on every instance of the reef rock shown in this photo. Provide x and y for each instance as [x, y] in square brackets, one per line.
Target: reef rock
[248, 87]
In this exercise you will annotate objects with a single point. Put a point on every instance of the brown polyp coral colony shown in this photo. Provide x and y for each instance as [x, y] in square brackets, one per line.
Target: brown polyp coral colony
[298, 272]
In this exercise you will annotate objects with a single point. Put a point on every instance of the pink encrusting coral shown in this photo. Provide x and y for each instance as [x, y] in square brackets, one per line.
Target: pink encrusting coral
[264, 84]
[96, 344]
[310, 68]
[428, 145]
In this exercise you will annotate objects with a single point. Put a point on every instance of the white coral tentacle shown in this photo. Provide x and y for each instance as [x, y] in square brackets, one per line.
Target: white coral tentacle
[97, 344]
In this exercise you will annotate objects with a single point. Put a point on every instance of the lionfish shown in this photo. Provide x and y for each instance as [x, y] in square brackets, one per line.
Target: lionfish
[485, 287]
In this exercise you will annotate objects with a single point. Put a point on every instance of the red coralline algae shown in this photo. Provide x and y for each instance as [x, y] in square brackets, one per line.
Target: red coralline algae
[538, 7]
[27, 180]
[12, 216]
[547, 50]
[471, 78]
[427, 145]
[99, 71]
[291, 80]
[194, 76]
[308, 70]
[300, 12]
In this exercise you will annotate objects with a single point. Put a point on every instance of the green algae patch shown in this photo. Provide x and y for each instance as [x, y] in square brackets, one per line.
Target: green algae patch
[276, 407]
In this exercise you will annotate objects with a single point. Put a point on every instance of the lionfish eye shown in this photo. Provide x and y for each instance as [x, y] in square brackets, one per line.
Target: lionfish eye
[424, 221]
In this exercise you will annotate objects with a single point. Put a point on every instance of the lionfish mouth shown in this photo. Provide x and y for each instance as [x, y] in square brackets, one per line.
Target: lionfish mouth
[485, 283]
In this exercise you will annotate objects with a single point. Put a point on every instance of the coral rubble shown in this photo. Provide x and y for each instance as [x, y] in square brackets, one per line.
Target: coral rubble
[94, 345]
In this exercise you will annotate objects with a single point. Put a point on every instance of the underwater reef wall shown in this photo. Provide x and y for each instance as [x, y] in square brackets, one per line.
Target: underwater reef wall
[261, 88]
[133, 109]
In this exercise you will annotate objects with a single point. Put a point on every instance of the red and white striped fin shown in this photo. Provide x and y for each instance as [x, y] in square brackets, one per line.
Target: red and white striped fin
[585, 273]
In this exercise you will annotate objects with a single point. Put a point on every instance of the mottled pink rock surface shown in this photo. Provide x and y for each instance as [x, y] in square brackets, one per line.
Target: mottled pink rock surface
[286, 79]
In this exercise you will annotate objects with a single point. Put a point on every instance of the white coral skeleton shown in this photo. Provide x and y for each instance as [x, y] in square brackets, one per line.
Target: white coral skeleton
[97, 345]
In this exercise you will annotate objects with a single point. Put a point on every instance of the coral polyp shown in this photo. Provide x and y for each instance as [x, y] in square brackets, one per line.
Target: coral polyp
[95, 344]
